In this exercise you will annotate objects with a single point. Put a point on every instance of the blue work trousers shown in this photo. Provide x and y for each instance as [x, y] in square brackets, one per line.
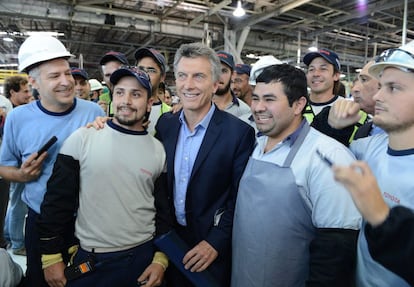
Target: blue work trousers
[120, 269]
[34, 271]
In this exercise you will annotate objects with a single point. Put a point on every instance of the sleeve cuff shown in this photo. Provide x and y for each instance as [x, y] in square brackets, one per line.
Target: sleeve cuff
[50, 259]
[161, 259]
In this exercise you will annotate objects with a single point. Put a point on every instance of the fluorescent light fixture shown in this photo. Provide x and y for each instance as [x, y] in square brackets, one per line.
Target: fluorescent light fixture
[8, 39]
[252, 56]
[14, 65]
[239, 12]
[48, 33]
[313, 49]
[30, 33]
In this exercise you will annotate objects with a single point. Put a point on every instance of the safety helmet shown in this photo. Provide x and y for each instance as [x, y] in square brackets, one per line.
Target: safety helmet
[95, 85]
[260, 65]
[402, 57]
[40, 48]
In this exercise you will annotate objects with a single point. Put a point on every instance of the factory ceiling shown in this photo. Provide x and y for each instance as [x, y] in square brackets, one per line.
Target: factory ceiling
[356, 30]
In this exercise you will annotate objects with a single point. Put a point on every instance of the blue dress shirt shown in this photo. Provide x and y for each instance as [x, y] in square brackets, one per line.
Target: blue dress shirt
[188, 145]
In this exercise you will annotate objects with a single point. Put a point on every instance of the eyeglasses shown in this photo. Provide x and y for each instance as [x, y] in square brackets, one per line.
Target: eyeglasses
[148, 70]
[237, 81]
[397, 56]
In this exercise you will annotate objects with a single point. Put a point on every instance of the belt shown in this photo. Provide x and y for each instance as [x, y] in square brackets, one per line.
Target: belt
[109, 249]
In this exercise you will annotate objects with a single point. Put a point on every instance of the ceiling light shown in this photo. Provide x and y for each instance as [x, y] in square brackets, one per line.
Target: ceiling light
[14, 65]
[252, 56]
[48, 33]
[8, 39]
[239, 12]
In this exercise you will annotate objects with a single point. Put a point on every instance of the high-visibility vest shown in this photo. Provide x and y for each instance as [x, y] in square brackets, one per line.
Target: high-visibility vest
[310, 115]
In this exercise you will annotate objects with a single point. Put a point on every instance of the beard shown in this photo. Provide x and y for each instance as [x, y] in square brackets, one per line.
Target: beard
[390, 128]
[223, 91]
[126, 122]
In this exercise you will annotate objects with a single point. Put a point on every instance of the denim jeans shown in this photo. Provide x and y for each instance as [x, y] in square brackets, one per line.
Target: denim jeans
[16, 212]
[4, 199]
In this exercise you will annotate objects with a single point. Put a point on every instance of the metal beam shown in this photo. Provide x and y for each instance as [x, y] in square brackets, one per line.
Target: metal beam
[210, 12]
[91, 16]
[264, 16]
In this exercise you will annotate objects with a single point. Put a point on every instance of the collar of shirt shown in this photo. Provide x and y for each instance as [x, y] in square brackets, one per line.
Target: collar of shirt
[294, 136]
[288, 141]
[203, 123]
[235, 100]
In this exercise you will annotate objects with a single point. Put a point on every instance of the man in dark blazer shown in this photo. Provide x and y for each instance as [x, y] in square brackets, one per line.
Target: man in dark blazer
[207, 150]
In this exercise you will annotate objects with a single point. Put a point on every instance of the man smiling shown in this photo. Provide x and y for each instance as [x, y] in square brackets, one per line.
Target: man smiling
[207, 150]
[293, 224]
[57, 113]
[122, 200]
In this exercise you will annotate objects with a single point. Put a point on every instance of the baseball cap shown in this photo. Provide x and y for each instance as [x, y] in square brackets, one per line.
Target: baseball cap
[226, 58]
[113, 56]
[327, 54]
[141, 76]
[242, 69]
[258, 67]
[402, 57]
[79, 72]
[153, 53]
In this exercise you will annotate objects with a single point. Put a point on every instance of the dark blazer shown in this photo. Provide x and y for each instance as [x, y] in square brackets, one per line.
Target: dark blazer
[213, 186]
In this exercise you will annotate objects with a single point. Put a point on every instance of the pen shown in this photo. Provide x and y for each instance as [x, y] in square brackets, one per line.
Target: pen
[142, 283]
[324, 158]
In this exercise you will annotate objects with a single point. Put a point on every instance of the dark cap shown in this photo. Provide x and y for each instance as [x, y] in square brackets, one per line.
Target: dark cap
[141, 77]
[327, 54]
[113, 56]
[155, 54]
[226, 58]
[243, 69]
[79, 72]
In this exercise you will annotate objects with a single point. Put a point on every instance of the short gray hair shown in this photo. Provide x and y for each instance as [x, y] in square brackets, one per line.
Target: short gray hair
[35, 73]
[196, 50]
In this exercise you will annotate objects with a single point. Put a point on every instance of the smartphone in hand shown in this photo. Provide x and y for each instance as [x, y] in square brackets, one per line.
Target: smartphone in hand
[47, 145]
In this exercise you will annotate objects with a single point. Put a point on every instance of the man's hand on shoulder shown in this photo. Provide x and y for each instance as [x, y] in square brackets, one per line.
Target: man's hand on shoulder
[98, 124]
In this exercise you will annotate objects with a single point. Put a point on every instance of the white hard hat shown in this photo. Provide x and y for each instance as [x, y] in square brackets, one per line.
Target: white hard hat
[40, 48]
[258, 67]
[403, 57]
[95, 85]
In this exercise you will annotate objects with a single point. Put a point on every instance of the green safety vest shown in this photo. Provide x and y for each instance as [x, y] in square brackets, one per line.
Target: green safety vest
[309, 116]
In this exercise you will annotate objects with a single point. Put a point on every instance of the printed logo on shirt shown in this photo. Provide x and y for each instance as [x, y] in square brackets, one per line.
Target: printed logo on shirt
[143, 170]
[391, 197]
